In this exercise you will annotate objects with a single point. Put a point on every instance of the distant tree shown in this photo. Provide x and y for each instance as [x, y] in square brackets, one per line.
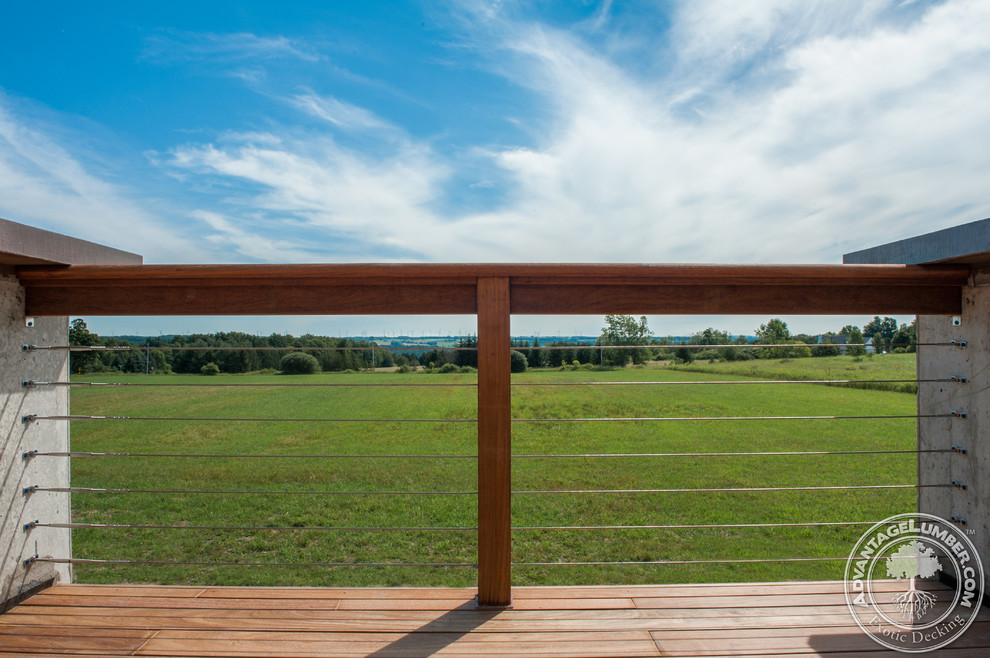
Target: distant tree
[624, 330]
[825, 348]
[854, 338]
[79, 334]
[882, 331]
[710, 336]
[555, 358]
[774, 332]
[299, 363]
[517, 361]
[906, 337]
[468, 354]
[535, 356]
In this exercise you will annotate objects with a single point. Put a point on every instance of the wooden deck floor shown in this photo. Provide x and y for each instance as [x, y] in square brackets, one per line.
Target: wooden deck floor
[666, 620]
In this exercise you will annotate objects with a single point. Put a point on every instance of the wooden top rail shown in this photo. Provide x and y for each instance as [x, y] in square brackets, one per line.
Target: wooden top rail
[333, 289]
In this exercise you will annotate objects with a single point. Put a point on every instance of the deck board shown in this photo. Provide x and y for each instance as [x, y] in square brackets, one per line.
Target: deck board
[753, 619]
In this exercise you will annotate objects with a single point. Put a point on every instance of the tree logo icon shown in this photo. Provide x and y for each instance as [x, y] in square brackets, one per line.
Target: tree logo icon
[914, 582]
[913, 561]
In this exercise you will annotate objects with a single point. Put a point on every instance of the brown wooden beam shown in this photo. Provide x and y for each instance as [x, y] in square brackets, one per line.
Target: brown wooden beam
[820, 299]
[494, 444]
[450, 288]
[412, 273]
[260, 299]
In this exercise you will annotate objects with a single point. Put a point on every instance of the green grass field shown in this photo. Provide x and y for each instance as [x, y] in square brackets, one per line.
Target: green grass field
[870, 367]
[533, 470]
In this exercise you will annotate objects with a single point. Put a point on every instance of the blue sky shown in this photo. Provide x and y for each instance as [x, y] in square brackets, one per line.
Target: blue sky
[701, 131]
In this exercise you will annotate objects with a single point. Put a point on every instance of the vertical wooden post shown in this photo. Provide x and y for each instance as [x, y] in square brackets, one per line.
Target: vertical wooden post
[494, 444]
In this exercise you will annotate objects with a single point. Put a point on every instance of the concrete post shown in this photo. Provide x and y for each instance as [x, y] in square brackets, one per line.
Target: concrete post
[25, 246]
[17, 437]
[969, 502]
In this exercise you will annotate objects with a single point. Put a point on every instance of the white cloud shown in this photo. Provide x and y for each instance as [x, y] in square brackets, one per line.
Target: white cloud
[177, 46]
[781, 132]
[43, 184]
[850, 125]
[341, 195]
[341, 114]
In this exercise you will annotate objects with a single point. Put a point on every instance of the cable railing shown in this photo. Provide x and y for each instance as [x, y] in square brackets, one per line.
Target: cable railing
[526, 556]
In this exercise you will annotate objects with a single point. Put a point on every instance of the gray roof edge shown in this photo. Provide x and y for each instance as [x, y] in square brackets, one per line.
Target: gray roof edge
[961, 244]
[26, 245]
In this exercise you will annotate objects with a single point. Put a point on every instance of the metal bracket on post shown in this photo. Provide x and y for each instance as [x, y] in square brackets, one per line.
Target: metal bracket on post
[958, 414]
[29, 348]
[959, 485]
[30, 418]
[959, 449]
[958, 520]
[959, 380]
[961, 344]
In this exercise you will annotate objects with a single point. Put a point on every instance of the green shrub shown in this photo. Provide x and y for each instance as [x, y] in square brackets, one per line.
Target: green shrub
[448, 368]
[467, 369]
[299, 363]
[210, 369]
[708, 355]
[404, 368]
[518, 361]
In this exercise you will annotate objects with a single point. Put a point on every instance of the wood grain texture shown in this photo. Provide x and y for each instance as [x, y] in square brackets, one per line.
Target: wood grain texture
[750, 619]
[494, 444]
[258, 299]
[734, 299]
[459, 273]
[450, 288]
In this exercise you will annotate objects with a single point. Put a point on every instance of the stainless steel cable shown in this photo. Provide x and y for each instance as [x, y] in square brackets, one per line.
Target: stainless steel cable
[169, 455]
[735, 382]
[714, 418]
[696, 526]
[31, 383]
[692, 526]
[732, 382]
[204, 563]
[147, 526]
[35, 417]
[601, 563]
[729, 489]
[430, 348]
[276, 492]
[792, 453]
[37, 488]
[245, 348]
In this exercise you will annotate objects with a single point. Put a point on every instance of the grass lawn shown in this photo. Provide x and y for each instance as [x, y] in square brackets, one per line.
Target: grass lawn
[869, 367]
[533, 470]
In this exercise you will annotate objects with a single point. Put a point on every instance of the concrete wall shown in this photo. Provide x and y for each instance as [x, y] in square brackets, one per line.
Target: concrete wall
[971, 433]
[16, 437]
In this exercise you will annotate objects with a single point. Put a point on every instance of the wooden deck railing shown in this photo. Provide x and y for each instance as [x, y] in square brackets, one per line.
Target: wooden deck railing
[493, 293]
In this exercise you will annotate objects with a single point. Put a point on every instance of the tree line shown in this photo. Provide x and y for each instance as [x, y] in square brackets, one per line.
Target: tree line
[324, 349]
[192, 354]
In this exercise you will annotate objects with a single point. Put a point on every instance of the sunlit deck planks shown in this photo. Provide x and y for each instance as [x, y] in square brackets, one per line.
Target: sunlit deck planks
[662, 620]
